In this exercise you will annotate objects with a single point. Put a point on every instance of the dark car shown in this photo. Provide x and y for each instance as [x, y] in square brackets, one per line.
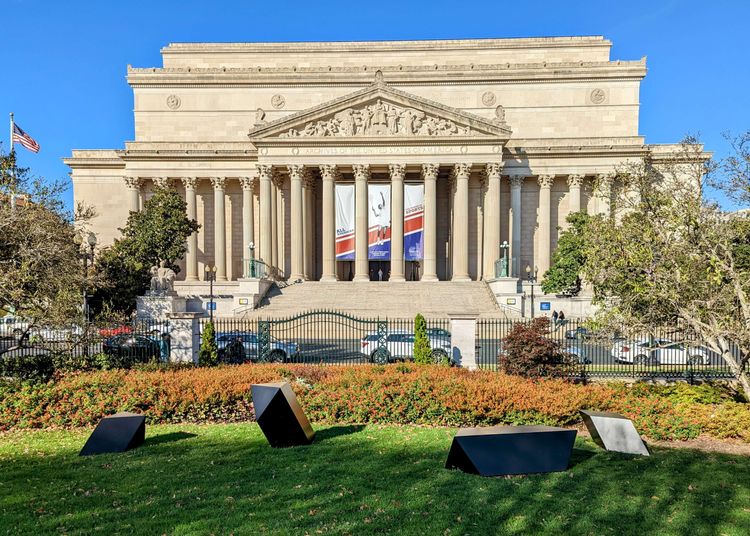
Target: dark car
[128, 348]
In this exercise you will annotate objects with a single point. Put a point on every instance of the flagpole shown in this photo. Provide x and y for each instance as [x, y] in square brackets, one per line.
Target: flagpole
[10, 147]
[12, 168]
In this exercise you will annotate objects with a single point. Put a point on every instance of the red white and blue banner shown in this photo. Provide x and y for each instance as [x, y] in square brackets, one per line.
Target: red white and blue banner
[379, 222]
[344, 222]
[413, 222]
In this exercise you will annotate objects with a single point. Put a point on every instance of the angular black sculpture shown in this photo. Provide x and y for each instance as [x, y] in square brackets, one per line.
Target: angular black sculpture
[280, 416]
[612, 431]
[511, 450]
[116, 433]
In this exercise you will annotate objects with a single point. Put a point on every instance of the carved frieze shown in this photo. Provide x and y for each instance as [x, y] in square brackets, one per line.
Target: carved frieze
[380, 119]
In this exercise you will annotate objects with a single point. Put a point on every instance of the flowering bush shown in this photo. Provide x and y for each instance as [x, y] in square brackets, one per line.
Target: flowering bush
[393, 394]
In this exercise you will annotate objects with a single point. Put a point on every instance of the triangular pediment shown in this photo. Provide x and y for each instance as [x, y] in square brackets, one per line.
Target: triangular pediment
[379, 111]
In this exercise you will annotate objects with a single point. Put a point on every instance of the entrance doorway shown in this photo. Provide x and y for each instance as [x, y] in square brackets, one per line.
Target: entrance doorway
[412, 271]
[380, 270]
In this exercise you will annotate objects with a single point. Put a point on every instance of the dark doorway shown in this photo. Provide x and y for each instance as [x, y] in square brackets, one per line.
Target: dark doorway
[380, 270]
[412, 271]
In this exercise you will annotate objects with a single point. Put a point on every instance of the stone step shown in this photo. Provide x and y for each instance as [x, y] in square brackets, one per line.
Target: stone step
[385, 299]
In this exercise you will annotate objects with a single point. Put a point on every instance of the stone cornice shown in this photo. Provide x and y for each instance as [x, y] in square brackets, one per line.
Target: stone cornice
[409, 74]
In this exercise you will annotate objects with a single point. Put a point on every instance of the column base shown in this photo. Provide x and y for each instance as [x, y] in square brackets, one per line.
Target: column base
[361, 279]
[397, 278]
[460, 278]
[428, 278]
[295, 277]
[192, 278]
[328, 279]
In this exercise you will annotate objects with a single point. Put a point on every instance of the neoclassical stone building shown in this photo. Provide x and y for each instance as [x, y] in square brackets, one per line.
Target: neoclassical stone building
[372, 160]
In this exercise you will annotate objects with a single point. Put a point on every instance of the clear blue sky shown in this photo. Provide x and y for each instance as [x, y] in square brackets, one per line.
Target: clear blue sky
[65, 60]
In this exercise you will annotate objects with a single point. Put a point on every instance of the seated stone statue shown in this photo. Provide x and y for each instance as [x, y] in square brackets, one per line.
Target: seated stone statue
[162, 279]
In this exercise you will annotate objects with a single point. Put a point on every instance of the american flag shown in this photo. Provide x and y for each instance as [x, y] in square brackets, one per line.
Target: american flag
[19, 136]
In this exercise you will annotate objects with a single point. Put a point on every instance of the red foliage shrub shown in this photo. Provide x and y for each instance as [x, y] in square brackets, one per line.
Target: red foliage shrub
[398, 394]
[529, 352]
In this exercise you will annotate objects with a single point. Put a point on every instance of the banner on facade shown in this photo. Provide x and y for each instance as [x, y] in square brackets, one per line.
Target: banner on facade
[344, 222]
[379, 222]
[413, 222]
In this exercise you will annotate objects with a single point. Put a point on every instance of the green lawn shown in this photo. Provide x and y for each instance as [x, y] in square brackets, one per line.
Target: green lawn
[225, 479]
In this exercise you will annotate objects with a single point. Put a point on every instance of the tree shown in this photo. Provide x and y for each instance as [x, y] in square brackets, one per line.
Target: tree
[669, 259]
[208, 354]
[567, 260]
[422, 349]
[157, 233]
[41, 277]
[529, 352]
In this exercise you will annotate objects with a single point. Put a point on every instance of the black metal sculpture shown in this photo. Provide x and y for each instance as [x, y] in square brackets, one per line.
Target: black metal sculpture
[116, 433]
[511, 450]
[612, 431]
[280, 416]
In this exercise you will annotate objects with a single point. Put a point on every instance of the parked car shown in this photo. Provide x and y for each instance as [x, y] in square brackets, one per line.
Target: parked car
[280, 351]
[658, 352]
[121, 329]
[12, 327]
[579, 333]
[434, 333]
[129, 348]
[399, 346]
[579, 353]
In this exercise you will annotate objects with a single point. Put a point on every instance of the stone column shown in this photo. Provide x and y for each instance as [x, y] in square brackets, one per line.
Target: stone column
[329, 172]
[461, 173]
[220, 228]
[265, 172]
[429, 267]
[397, 171]
[492, 219]
[134, 192]
[604, 194]
[191, 258]
[516, 183]
[275, 223]
[296, 173]
[308, 216]
[574, 191]
[545, 227]
[361, 228]
[248, 221]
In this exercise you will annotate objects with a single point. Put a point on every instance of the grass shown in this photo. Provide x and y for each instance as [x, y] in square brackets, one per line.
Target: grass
[225, 479]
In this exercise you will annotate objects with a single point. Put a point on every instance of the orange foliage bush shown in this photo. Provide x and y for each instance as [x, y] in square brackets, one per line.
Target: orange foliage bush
[394, 394]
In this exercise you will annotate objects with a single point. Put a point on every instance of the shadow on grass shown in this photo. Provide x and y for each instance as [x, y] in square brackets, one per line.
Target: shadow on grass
[384, 480]
[167, 438]
[332, 432]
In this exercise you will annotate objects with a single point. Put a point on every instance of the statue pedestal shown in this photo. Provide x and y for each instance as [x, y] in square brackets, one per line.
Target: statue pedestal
[159, 306]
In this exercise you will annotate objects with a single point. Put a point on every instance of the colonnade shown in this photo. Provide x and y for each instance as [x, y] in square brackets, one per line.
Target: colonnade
[302, 219]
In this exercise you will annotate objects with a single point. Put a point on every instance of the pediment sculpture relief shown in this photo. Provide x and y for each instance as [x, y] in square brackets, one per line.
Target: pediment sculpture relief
[380, 119]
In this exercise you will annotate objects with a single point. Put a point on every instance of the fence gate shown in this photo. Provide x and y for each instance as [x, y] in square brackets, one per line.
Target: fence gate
[323, 336]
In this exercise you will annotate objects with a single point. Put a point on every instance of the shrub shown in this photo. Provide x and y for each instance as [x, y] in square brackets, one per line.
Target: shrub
[208, 354]
[527, 351]
[29, 364]
[422, 350]
[392, 394]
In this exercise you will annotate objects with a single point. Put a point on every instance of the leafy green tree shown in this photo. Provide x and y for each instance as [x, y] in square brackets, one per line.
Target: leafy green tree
[208, 354]
[670, 260]
[564, 275]
[422, 349]
[157, 233]
[41, 276]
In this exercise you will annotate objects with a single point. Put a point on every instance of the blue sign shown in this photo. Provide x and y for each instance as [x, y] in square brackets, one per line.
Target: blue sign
[544, 306]
[211, 306]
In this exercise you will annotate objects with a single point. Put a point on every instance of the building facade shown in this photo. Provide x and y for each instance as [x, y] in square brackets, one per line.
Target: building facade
[411, 160]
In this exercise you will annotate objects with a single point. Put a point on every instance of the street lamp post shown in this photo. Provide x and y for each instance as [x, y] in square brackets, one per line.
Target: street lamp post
[504, 264]
[86, 256]
[211, 277]
[532, 280]
[251, 247]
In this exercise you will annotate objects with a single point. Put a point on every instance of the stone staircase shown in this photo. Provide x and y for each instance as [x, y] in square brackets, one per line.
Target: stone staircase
[384, 299]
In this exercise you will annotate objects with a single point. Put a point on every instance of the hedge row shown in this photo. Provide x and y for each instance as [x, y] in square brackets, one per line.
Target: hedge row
[394, 394]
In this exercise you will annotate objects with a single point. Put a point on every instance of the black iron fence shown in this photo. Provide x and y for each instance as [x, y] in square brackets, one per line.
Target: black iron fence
[111, 345]
[667, 354]
[326, 337]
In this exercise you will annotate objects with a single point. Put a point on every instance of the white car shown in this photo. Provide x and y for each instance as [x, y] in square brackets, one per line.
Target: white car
[399, 346]
[658, 352]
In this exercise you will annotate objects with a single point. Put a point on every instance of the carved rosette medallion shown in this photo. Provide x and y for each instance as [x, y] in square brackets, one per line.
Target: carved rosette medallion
[173, 102]
[380, 119]
[597, 96]
[278, 101]
[489, 98]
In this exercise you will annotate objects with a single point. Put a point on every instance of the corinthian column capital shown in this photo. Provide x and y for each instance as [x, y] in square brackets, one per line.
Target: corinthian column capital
[546, 181]
[218, 182]
[329, 172]
[575, 180]
[361, 172]
[162, 182]
[133, 182]
[461, 171]
[265, 172]
[493, 170]
[190, 183]
[248, 183]
[430, 171]
[516, 181]
[397, 171]
[296, 171]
